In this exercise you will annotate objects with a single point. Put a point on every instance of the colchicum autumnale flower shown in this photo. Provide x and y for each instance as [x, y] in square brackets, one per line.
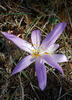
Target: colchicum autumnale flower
[40, 53]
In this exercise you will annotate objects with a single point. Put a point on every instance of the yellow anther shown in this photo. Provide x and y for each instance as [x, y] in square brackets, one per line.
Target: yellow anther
[35, 53]
[35, 44]
[46, 53]
[32, 55]
[42, 49]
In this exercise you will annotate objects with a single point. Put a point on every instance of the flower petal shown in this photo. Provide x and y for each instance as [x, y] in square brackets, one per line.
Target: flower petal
[24, 45]
[60, 58]
[49, 60]
[53, 35]
[24, 63]
[36, 37]
[49, 50]
[41, 74]
[52, 48]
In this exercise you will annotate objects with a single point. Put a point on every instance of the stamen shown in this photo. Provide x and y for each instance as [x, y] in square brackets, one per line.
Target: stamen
[35, 53]
[35, 44]
[42, 49]
[46, 53]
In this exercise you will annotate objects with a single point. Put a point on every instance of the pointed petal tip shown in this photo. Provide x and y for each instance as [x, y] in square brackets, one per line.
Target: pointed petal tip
[36, 30]
[42, 85]
[42, 88]
[64, 24]
[66, 59]
[61, 25]
[60, 58]
[41, 74]
[13, 73]
[3, 33]
[62, 74]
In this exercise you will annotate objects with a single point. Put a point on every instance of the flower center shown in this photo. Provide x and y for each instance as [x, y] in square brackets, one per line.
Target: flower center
[38, 52]
[35, 53]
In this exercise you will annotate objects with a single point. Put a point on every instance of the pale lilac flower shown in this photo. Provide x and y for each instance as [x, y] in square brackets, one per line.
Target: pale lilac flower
[40, 53]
